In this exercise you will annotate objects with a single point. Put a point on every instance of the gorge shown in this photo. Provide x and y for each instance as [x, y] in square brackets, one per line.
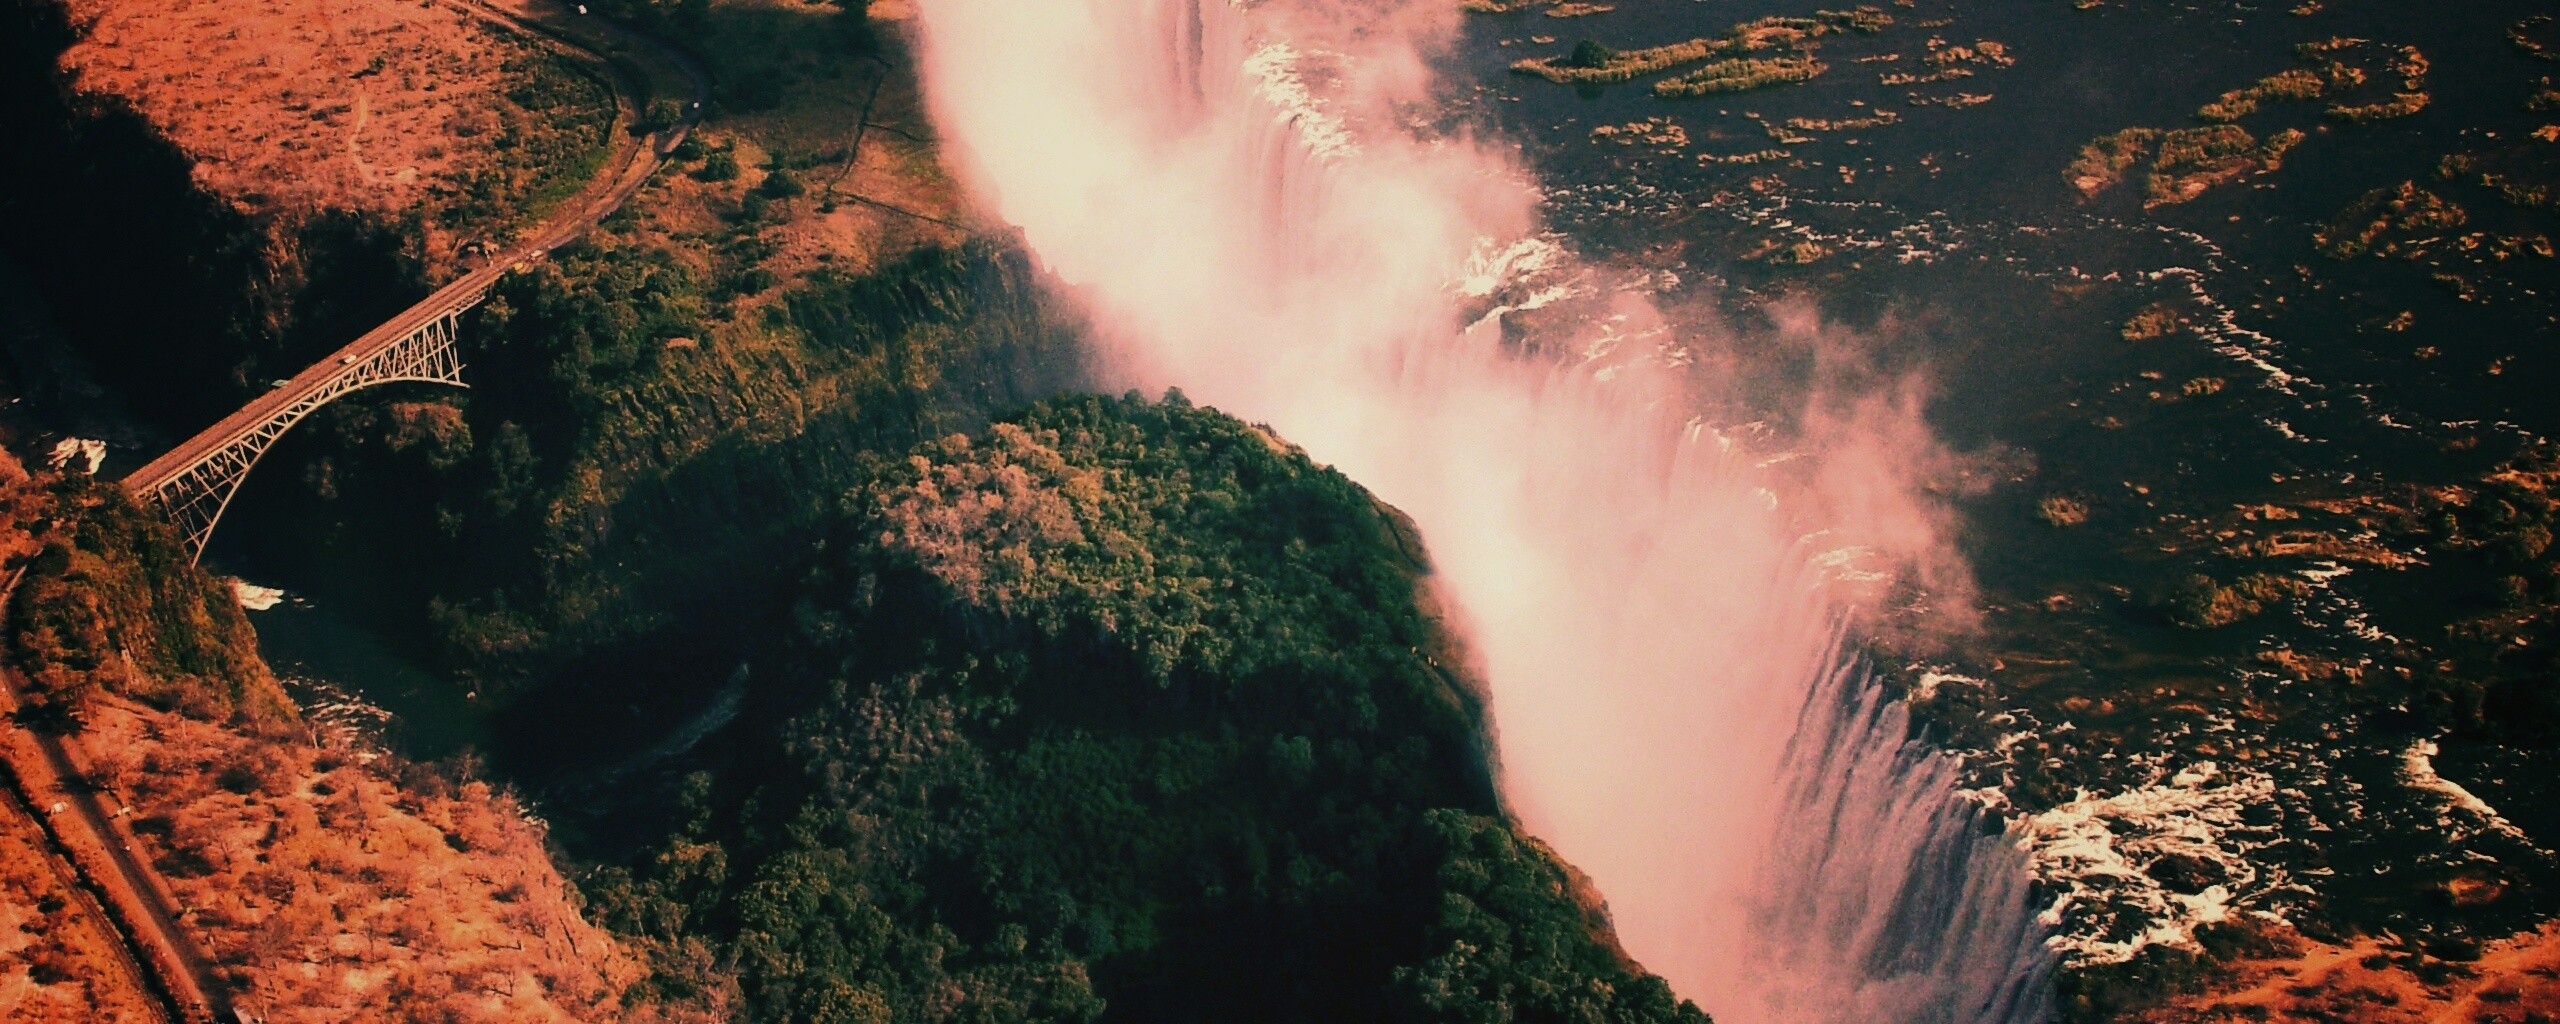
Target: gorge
[1422, 511]
[1247, 200]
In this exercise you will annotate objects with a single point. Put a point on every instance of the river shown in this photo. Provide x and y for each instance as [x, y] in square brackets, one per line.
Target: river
[1255, 209]
[345, 674]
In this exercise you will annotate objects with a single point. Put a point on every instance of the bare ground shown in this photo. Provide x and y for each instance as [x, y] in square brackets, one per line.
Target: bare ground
[380, 106]
[2369, 982]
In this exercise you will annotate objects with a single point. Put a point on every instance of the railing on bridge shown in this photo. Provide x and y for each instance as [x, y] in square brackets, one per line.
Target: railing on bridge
[195, 481]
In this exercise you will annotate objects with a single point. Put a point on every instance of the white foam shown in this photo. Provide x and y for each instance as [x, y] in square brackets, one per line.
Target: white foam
[2099, 852]
[2418, 769]
[87, 454]
[254, 597]
[1275, 68]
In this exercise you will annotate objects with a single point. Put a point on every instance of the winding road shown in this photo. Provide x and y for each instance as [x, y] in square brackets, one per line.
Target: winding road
[638, 70]
[49, 768]
[51, 777]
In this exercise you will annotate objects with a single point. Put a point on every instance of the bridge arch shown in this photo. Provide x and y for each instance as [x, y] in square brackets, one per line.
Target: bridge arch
[193, 483]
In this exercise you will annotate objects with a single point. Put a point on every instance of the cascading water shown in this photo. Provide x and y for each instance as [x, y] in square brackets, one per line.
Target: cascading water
[1229, 187]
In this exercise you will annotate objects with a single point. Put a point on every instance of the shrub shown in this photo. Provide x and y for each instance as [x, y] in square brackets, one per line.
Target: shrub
[721, 165]
[2199, 602]
[2063, 510]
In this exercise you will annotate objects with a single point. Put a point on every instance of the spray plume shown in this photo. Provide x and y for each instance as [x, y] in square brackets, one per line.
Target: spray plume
[1231, 190]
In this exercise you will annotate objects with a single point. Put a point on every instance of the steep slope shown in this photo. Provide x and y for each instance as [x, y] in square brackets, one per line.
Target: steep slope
[320, 880]
[657, 412]
[1120, 708]
[213, 196]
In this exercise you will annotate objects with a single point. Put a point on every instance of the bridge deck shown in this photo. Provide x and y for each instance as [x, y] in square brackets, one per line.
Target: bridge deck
[461, 293]
[632, 166]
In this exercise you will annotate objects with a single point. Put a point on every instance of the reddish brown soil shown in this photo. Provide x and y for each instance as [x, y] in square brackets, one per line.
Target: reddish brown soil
[2513, 982]
[338, 103]
[853, 126]
[61, 961]
[326, 885]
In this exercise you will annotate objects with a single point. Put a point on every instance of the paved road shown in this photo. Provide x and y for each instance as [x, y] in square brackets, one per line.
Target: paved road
[619, 55]
[18, 811]
[146, 909]
[103, 850]
[138, 902]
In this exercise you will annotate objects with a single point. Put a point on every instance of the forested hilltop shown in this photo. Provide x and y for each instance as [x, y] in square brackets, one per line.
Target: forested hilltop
[1111, 709]
[1116, 710]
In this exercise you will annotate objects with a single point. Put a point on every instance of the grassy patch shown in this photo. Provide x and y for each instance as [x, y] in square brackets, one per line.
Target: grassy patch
[2201, 602]
[2153, 322]
[2369, 224]
[2102, 163]
[548, 143]
[1741, 75]
[1788, 40]
[2193, 160]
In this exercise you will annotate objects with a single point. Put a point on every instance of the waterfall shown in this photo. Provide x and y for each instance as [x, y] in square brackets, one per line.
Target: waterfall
[1887, 899]
[1233, 191]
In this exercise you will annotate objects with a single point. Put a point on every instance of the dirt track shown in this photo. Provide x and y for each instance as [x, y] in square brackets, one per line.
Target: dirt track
[51, 777]
[634, 66]
[50, 771]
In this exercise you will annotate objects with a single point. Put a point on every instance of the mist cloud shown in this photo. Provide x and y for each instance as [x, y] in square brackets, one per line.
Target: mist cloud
[1231, 192]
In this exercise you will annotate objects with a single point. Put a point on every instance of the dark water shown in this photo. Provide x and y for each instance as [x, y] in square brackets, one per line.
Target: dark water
[1955, 251]
[1983, 185]
[349, 676]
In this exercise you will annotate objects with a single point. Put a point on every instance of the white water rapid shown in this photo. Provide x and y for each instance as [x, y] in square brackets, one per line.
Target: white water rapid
[1237, 194]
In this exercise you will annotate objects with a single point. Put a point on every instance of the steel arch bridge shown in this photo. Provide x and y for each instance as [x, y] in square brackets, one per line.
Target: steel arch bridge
[193, 483]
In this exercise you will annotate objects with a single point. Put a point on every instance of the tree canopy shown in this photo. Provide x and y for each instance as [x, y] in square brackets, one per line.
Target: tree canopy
[1121, 706]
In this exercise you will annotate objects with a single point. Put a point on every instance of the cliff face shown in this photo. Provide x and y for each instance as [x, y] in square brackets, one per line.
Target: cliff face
[178, 298]
[200, 233]
[625, 488]
[323, 881]
[653, 413]
[108, 603]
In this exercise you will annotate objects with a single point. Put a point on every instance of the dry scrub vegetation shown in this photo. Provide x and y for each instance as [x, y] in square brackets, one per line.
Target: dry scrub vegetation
[329, 883]
[2373, 982]
[374, 106]
[60, 960]
[819, 157]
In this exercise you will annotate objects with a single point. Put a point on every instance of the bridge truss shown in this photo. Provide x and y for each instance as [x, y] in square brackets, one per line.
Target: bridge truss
[194, 483]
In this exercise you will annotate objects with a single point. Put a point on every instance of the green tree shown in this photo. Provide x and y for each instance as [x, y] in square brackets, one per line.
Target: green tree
[721, 165]
[1127, 703]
